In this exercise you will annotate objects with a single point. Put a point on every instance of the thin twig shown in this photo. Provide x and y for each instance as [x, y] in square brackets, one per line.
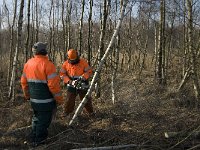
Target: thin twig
[184, 138]
[196, 146]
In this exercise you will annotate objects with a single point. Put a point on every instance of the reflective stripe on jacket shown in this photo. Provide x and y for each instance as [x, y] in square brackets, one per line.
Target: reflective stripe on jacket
[74, 71]
[40, 81]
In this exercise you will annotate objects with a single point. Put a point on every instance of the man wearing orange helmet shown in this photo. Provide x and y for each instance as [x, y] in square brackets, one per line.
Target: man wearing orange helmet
[75, 73]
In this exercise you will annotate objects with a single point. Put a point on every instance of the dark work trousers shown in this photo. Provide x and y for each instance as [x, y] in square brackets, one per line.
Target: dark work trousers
[70, 102]
[40, 123]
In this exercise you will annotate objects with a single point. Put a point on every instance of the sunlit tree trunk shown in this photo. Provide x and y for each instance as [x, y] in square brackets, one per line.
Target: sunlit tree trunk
[18, 46]
[115, 68]
[161, 47]
[11, 43]
[192, 50]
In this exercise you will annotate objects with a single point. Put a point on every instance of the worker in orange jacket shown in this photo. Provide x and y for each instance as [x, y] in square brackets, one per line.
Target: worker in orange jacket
[41, 85]
[75, 73]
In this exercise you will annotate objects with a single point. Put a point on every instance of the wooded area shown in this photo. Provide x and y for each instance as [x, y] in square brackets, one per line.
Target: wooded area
[145, 57]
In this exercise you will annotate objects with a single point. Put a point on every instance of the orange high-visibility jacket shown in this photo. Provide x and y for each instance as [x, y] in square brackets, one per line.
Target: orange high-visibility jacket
[40, 81]
[74, 71]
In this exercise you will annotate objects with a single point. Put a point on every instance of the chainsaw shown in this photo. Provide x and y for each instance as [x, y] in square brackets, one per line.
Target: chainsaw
[79, 84]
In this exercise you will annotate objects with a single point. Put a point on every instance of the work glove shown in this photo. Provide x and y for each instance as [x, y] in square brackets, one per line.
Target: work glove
[69, 82]
[81, 78]
[72, 82]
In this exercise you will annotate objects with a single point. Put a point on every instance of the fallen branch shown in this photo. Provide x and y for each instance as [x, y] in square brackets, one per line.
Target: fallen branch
[191, 134]
[181, 134]
[194, 147]
[17, 130]
[110, 147]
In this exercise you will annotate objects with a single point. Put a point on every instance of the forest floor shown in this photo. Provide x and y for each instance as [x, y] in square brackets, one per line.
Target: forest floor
[141, 117]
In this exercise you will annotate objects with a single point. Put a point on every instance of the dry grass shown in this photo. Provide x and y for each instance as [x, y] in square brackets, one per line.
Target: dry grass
[141, 115]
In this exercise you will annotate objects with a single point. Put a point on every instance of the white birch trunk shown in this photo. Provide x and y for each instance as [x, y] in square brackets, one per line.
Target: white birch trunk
[84, 101]
[19, 31]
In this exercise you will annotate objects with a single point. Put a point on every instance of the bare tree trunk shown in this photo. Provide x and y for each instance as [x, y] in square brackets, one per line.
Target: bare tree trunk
[192, 50]
[0, 21]
[101, 42]
[155, 49]
[169, 49]
[57, 37]
[32, 27]
[161, 49]
[69, 10]
[90, 33]
[122, 61]
[37, 21]
[26, 48]
[18, 46]
[11, 44]
[81, 28]
[185, 43]
[64, 32]
[116, 61]
[53, 33]
[115, 68]
[51, 23]
[130, 42]
[84, 101]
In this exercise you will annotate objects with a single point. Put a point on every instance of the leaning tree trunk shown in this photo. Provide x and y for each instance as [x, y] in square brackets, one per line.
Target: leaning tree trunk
[18, 46]
[99, 67]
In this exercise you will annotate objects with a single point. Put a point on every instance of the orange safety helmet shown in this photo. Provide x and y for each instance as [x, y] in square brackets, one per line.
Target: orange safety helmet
[72, 54]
